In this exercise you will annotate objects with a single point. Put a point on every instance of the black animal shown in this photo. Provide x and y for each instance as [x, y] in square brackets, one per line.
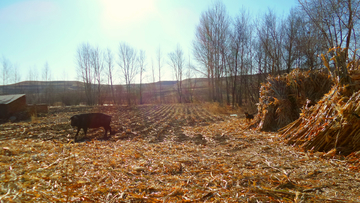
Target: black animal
[91, 120]
[248, 116]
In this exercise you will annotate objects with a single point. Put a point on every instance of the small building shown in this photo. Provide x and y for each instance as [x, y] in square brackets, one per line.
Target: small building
[12, 104]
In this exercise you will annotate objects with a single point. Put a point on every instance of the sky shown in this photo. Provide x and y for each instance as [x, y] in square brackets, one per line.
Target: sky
[33, 32]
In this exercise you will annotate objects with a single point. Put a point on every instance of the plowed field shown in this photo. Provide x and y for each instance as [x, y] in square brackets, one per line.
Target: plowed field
[155, 122]
[164, 153]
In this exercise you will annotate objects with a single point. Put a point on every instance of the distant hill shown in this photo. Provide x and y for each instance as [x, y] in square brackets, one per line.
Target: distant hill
[164, 83]
[73, 92]
[40, 86]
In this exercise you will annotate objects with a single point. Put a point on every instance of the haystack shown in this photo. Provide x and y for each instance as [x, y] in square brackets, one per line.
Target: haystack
[282, 97]
[334, 122]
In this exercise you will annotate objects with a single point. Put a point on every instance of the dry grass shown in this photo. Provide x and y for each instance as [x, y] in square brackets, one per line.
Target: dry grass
[215, 107]
[59, 104]
[218, 108]
[198, 159]
[34, 118]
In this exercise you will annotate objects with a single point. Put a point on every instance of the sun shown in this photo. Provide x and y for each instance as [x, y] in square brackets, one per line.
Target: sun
[117, 12]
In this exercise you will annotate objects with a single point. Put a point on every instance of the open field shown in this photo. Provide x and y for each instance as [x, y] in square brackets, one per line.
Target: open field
[164, 153]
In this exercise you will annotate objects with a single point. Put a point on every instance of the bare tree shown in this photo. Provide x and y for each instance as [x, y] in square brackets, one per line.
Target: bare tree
[35, 78]
[128, 65]
[153, 79]
[35, 73]
[191, 82]
[84, 66]
[240, 55]
[336, 20]
[16, 75]
[270, 35]
[153, 70]
[6, 68]
[109, 60]
[142, 67]
[291, 27]
[160, 61]
[203, 51]
[210, 47]
[309, 43]
[46, 72]
[177, 62]
[46, 76]
[97, 64]
[30, 75]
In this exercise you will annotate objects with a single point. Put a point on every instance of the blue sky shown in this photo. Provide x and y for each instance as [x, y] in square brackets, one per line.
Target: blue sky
[34, 32]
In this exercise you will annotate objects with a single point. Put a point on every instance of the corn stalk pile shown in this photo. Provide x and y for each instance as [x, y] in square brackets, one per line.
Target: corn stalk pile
[282, 97]
[333, 124]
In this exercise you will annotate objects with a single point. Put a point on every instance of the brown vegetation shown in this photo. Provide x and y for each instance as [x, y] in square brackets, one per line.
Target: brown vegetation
[164, 153]
[332, 124]
[282, 97]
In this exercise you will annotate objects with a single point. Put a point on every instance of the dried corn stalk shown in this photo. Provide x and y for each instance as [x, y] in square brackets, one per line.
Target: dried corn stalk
[334, 122]
[282, 97]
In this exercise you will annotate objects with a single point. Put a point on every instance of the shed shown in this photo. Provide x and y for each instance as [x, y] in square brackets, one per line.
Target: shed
[12, 104]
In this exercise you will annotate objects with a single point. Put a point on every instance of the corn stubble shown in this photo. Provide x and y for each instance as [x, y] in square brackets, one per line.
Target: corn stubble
[193, 155]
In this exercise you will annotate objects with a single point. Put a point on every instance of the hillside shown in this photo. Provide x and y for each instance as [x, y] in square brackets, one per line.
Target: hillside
[53, 91]
[40, 86]
[73, 92]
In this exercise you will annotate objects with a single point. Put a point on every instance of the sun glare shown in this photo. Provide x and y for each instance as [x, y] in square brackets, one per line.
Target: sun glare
[118, 12]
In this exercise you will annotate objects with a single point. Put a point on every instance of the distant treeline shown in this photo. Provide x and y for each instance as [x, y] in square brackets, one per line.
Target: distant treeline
[72, 92]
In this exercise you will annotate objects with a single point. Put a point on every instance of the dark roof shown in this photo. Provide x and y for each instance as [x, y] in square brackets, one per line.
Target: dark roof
[7, 99]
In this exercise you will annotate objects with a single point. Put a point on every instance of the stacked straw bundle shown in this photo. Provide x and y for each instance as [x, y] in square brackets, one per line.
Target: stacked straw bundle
[333, 124]
[282, 97]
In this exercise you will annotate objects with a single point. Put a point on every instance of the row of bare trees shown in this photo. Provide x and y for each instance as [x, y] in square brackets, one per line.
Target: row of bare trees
[90, 67]
[12, 75]
[10, 72]
[93, 65]
[228, 50]
[95, 68]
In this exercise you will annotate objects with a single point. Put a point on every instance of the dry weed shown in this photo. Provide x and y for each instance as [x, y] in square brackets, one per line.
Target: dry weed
[198, 159]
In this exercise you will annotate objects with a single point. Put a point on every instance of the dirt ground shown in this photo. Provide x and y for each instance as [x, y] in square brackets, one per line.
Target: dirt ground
[165, 153]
